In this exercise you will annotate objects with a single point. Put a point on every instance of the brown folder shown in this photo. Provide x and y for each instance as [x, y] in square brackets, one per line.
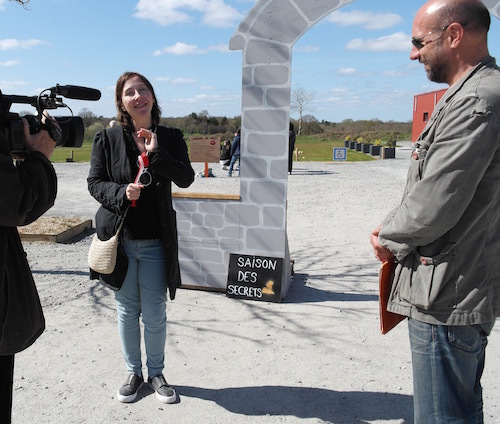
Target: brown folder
[388, 320]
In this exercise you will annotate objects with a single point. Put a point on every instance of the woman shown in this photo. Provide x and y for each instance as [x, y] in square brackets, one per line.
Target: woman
[148, 255]
[225, 156]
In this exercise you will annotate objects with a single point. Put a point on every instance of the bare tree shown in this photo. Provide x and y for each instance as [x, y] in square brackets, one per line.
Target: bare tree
[87, 116]
[300, 101]
[311, 125]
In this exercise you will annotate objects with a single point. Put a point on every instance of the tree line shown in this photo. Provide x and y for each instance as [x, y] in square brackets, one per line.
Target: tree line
[225, 127]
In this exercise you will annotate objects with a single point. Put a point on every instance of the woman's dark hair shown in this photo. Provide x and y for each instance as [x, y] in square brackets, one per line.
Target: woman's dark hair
[123, 116]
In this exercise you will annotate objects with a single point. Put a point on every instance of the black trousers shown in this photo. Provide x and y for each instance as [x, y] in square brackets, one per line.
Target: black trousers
[6, 382]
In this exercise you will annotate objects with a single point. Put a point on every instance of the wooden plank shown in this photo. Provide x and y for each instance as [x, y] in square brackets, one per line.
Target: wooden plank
[215, 196]
[203, 288]
[54, 229]
[74, 231]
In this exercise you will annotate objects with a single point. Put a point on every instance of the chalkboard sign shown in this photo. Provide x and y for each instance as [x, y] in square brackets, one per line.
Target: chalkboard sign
[254, 277]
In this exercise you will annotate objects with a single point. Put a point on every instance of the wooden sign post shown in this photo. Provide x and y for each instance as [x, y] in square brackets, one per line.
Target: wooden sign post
[204, 149]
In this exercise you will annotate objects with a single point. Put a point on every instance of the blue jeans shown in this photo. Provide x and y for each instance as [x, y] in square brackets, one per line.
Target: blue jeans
[234, 158]
[448, 363]
[143, 292]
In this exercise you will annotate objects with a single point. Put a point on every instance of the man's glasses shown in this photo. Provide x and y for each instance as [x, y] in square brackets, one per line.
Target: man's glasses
[419, 42]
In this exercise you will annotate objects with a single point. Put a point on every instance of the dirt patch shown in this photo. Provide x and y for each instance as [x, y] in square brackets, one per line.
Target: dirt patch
[54, 228]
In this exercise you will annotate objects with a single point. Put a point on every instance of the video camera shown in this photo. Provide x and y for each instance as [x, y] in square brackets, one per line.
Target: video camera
[69, 131]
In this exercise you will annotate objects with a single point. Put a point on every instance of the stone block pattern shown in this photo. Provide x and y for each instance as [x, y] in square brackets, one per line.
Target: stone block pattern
[209, 230]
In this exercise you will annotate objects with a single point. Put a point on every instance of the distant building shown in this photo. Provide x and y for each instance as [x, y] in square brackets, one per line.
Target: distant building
[423, 105]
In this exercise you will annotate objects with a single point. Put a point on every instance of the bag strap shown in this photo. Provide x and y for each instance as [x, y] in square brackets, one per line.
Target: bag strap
[123, 220]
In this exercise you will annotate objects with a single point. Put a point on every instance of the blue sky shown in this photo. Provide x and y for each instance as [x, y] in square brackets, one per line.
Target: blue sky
[355, 61]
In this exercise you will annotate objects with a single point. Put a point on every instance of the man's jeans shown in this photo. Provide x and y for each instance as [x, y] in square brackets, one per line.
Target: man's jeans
[448, 362]
[143, 292]
[234, 158]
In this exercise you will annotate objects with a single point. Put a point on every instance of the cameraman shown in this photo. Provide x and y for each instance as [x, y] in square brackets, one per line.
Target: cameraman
[26, 192]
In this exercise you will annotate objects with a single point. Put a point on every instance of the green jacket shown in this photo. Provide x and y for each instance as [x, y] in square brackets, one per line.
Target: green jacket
[445, 233]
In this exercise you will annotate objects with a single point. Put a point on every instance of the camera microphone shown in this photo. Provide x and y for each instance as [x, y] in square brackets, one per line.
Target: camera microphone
[77, 92]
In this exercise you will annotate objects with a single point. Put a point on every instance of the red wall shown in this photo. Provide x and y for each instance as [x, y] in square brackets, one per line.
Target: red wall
[423, 105]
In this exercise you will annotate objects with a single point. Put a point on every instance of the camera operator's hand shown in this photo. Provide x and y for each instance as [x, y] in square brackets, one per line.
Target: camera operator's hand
[40, 142]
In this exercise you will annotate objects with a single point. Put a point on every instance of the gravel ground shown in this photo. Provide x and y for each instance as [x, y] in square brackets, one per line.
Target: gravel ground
[317, 357]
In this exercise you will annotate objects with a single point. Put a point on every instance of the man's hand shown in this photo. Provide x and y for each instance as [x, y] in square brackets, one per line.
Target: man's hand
[381, 253]
[40, 142]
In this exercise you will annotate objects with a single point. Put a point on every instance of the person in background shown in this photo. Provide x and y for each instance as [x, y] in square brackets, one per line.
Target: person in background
[148, 262]
[445, 234]
[225, 156]
[291, 147]
[235, 153]
[27, 191]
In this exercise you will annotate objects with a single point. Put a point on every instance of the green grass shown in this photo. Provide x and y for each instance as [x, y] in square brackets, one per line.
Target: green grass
[314, 149]
[317, 149]
[81, 154]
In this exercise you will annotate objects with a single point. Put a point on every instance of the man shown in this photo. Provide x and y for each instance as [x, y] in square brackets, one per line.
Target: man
[445, 234]
[26, 192]
[235, 153]
[291, 146]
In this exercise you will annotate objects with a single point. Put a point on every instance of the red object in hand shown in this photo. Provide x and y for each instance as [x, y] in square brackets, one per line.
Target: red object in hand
[143, 161]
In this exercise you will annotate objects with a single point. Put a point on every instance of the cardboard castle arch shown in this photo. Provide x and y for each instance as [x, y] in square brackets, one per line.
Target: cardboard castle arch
[255, 225]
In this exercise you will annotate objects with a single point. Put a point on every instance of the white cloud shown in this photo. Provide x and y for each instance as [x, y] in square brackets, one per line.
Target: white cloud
[176, 81]
[183, 81]
[397, 73]
[348, 71]
[367, 20]
[9, 63]
[180, 48]
[11, 85]
[335, 95]
[205, 99]
[13, 44]
[398, 41]
[214, 13]
[342, 98]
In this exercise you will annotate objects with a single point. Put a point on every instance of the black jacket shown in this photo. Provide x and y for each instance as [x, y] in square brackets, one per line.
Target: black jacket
[113, 167]
[26, 192]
